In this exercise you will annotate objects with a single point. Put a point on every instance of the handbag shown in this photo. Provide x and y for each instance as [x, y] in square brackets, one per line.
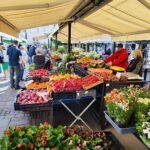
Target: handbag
[1, 59]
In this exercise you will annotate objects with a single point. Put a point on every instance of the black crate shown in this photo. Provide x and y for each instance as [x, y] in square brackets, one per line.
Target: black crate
[64, 95]
[31, 107]
[79, 70]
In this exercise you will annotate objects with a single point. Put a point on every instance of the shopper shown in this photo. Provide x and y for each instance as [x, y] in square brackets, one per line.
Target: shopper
[5, 63]
[31, 53]
[39, 60]
[15, 56]
[119, 58]
[24, 68]
[1, 58]
[136, 64]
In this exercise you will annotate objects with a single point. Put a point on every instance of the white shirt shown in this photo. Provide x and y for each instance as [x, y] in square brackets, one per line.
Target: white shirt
[5, 56]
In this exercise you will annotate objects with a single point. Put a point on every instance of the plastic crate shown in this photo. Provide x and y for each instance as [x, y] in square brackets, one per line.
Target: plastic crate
[89, 93]
[79, 70]
[31, 107]
[117, 128]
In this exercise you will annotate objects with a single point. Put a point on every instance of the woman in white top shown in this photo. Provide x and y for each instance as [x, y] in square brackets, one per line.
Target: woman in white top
[25, 67]
[5, 63]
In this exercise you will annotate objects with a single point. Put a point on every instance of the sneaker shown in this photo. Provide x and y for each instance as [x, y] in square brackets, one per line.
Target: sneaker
[18, 87]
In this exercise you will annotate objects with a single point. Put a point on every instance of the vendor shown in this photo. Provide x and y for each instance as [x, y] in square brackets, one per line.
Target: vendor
[39, 60]
[136, 63]
[119, 58]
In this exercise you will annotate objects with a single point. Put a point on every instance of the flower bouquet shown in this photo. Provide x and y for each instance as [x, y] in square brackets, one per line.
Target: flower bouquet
[119, 107]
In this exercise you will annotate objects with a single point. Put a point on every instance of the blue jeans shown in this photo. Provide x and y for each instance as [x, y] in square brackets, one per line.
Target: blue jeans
[30, 60]
[21, 74]
[14, 70]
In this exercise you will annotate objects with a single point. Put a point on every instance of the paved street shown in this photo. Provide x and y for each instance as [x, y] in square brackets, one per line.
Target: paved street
[9, 117]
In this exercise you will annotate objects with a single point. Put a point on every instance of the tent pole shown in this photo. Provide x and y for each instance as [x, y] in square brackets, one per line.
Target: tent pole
[69, 37]
[48, 43]
[114, 46]
[1, 39]
[56, 44]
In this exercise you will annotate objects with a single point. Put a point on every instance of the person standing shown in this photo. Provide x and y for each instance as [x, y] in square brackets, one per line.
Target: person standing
[31, 53]
[39, 60]
[24, 67]
[5, 63]
[15, 56]
[119, 58]
[1, 57]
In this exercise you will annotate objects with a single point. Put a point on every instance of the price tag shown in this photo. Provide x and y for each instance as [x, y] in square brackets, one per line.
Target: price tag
[118, 75]
[29, 82]
[107, 84]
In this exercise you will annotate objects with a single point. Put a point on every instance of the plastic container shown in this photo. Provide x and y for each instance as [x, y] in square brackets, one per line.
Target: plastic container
[117, 128]
[89, 93]
[64, 95]
[31, 107]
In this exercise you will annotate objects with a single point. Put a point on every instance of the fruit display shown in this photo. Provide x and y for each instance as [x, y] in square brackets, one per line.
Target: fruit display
[37, 85]
[63, 76]
[39, 72]
[91, 81]
[45, 137]
[39, 79]
[84, 60]
[107, 77]
[33, 96]
[100, 70]
[63, 85]
[77, 50]
[56, 57]
[116, 68]
[91, 54]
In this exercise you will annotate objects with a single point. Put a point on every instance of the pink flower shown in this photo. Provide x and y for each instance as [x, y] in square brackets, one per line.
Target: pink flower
[71, 143]
[78, 148]
[84, 144]
[98, 147]
[46, 124]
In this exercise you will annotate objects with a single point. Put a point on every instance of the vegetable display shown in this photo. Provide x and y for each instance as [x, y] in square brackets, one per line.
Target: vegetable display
[44, 137]
[63, 76]
[39, 72]
[33, 96]
[64, 85]
[37, 85]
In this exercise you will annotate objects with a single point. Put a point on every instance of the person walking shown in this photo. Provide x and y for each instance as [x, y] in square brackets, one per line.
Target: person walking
[25, 67]
[1, 57]
[5, 63]
[15, 56]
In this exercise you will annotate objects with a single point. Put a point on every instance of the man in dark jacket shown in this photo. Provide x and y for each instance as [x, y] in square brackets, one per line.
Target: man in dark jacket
[14, 55]
[31, 53]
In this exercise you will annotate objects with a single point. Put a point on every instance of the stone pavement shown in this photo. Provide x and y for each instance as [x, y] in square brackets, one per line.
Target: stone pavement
[9, 117]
